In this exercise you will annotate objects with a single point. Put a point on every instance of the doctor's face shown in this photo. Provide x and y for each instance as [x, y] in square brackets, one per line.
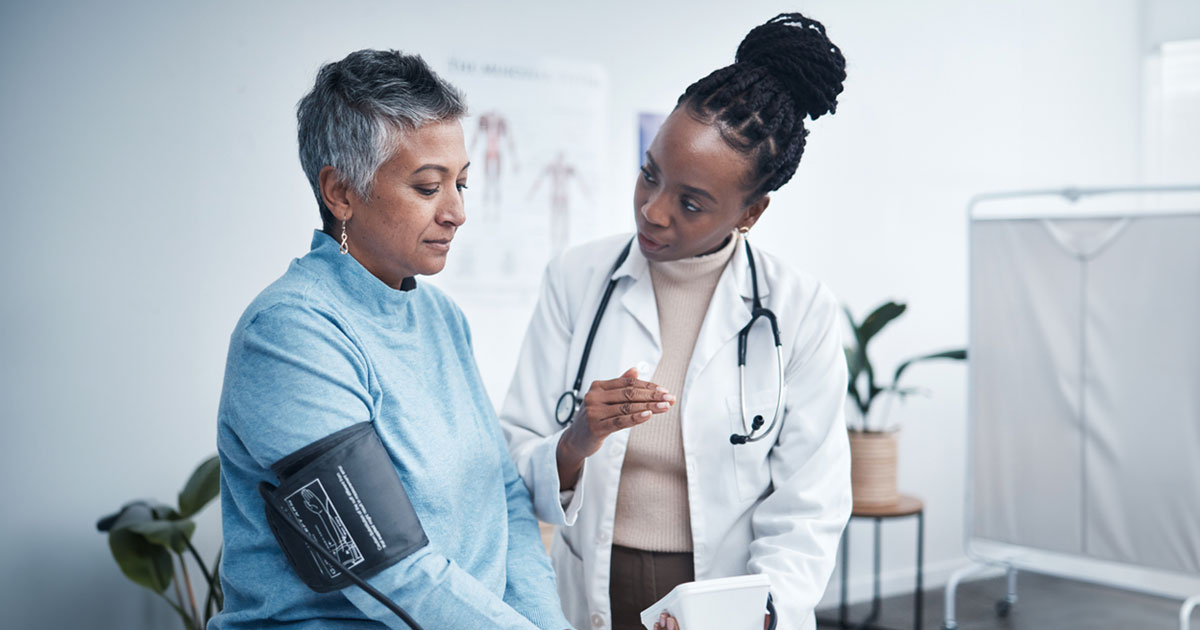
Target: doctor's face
[690, 193]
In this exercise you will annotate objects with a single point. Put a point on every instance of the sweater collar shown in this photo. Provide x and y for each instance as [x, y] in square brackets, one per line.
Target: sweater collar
[357, 285]
[696, 268]
[637, 267]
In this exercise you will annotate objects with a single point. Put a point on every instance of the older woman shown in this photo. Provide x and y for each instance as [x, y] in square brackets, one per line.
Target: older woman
[348, 336]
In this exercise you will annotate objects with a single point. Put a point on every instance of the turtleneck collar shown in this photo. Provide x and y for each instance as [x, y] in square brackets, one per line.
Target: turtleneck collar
[697, 266]
[357, 285]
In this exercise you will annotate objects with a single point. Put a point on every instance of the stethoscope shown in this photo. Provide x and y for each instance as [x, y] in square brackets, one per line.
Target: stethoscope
[570, 401]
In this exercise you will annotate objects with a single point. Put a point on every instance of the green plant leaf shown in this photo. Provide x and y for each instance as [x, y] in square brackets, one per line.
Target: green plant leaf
[852, 390]
[165, 512]
[142, 560]
[875, 322]
[853, 364]
[854, 354]
[860, 362]
[959, 354]
[904, 393]
[145, 563]
[171, 534]
[142, 509]
[106, 522]
[132, 512]
[203, 486]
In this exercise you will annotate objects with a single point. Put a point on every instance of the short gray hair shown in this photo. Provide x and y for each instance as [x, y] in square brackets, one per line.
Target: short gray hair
[357, 108]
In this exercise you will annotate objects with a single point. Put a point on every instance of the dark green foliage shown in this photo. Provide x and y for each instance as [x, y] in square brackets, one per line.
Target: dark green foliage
[143, 535]
[863, 388]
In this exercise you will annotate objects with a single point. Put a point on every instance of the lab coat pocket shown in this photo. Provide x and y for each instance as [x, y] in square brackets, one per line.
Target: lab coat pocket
[569, 574]
[751, 469]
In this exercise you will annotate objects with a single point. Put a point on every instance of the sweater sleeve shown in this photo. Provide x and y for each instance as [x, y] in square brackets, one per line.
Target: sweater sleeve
[295, 376]
[531, 588]
[528, 412]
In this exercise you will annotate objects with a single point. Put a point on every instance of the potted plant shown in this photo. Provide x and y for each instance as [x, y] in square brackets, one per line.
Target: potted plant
[148, 540]
[872, 438]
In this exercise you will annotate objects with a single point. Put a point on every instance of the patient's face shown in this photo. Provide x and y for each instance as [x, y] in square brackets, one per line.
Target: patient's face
[690, 193]
[405, 226]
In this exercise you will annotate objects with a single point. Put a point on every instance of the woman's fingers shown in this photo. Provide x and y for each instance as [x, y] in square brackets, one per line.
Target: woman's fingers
[620, 403]
[639, 409]
[626, 381]
[606, 412]
[628, 394]
[624, 422]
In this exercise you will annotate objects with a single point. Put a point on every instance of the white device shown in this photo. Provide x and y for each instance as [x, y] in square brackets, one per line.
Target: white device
[733, 603]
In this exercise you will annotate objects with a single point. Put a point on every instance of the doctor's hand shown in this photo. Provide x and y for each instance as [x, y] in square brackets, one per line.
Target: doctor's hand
[608, 406]
[667, 622]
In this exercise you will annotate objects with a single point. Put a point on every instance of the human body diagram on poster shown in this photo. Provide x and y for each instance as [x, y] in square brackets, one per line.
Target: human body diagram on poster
[537, 148]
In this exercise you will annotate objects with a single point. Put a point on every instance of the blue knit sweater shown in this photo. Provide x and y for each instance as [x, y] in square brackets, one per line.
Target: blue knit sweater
[329, 345]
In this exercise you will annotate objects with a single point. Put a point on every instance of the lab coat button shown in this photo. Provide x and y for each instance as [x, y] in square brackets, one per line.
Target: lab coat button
[602, 537]
[598, 620]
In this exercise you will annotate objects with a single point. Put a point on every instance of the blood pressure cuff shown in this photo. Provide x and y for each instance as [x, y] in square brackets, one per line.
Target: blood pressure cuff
[344, 493]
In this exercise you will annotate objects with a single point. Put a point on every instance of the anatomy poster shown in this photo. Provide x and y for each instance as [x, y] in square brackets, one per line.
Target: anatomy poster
[648, 124]
[537, 147]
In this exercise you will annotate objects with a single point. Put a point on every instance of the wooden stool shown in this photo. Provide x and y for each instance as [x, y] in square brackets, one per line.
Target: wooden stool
[904, 507]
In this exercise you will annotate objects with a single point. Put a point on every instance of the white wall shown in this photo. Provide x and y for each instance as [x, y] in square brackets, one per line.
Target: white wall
[153, 189]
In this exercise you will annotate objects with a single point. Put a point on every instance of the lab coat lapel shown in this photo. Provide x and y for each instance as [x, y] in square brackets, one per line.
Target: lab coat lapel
[639, 300]
[728, 311]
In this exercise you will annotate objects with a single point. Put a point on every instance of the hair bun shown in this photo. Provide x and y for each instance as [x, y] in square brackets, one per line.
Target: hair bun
[795, 51]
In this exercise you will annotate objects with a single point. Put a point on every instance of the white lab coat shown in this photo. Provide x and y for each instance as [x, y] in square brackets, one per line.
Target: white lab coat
[776, 506]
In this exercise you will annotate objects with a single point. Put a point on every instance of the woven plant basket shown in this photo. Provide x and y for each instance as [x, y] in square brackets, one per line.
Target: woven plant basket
[873, 469]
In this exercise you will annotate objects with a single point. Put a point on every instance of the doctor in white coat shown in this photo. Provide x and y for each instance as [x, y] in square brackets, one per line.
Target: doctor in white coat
[643, 478]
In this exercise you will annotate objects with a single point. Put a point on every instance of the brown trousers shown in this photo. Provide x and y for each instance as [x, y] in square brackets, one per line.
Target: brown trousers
[640, 578]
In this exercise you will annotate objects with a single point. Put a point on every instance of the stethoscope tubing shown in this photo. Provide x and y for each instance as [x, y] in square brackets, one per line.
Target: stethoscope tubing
[587, 346]
[564, 415]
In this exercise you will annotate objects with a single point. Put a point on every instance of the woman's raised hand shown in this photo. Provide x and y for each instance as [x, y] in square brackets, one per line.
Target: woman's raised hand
[620, 403]
[608, 406]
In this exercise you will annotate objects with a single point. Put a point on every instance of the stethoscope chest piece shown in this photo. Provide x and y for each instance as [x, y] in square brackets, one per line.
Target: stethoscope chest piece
[567, 405]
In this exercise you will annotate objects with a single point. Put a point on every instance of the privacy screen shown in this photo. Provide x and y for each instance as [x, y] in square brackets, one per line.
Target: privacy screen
[1085, 387]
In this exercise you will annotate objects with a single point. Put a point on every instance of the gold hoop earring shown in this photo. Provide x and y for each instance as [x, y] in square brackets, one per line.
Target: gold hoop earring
[743, 230]
[344, 248]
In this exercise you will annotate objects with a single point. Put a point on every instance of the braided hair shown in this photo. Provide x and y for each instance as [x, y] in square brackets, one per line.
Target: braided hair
[785, 70]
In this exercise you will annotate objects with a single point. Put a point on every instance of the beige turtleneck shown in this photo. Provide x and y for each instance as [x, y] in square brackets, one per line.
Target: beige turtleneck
[652, 502]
